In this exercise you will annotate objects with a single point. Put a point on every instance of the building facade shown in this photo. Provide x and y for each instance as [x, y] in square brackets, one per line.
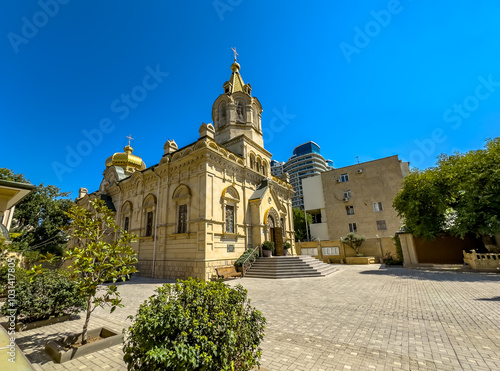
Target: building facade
[355, 198]
[11, 193]
[305, 162]
[202, 205]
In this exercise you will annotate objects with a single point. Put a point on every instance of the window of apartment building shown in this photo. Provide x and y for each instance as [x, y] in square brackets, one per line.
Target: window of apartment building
[316, 218]
[353, 228]
[381, 226]
[344, 178]
[377, 206]
[349, 210]
[347, 195]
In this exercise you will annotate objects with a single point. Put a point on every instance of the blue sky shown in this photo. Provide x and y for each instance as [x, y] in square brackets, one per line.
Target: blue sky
[360, 78]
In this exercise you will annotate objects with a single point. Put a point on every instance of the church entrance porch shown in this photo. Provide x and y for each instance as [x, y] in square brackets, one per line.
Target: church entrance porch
[276, 236]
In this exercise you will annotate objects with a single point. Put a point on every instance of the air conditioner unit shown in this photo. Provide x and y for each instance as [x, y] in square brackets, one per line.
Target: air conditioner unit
[339, 180]
[346, 199]
[359, 171]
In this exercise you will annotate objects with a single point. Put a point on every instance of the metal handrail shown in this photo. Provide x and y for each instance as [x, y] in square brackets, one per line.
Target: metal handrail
[243, 264]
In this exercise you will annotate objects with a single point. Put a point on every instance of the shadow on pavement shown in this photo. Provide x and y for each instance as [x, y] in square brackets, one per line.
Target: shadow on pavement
[425, 275]
[496, 298]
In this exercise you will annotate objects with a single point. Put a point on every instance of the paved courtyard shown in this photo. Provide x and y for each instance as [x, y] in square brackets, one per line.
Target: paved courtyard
[359, 318]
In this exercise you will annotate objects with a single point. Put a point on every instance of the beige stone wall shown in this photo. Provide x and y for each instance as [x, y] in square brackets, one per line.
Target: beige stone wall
[206, 177]
[369, 182]
[372, 247]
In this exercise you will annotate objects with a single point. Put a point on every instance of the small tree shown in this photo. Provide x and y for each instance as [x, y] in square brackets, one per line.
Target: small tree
[353, 240]
[300, 225]
[97, 257]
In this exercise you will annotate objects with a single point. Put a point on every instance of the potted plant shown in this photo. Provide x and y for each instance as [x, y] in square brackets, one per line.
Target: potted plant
[354, 241]
[267, 248]
[286, 247]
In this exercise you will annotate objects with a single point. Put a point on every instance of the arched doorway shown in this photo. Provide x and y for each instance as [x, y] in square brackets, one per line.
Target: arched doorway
[275, 232]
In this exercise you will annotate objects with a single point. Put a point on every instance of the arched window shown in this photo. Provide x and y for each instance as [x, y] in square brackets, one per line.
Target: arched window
[126, 215]
[258, 166]
[222, 114]
[149, 210]
[240, 111]
[264, 167]
[230, 201]
[182, 200]
[252, 161]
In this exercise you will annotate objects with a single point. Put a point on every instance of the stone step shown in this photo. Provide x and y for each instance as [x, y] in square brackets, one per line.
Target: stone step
[289, 267]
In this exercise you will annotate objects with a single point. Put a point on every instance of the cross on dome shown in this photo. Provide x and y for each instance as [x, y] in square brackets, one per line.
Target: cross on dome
[235, 53]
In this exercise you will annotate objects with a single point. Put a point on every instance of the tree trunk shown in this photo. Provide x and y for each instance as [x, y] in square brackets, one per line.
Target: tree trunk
[86, 324]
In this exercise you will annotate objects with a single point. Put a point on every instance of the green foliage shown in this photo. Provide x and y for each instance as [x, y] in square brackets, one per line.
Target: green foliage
[7, 174]
[299, 224]
[268, 245]
[31, 257]
[460, 195]
[353, 240]
[399, 249]
[46, 295]
[4, 269]
[287, 245]
[41, 216]
[246, 255]
[100, 253]
[195, 325]
[4, 273]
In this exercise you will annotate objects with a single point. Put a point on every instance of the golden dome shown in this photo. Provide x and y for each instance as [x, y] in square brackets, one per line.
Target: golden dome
[126, 160]
[235, 67]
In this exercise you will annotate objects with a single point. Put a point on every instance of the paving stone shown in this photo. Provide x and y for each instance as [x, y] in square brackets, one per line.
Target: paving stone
[359, 318]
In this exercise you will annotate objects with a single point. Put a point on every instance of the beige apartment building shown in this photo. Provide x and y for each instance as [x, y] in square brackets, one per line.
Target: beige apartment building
[355, 198]
[202, 205]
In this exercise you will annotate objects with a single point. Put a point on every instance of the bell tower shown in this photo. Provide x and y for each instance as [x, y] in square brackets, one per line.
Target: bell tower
[235, 113]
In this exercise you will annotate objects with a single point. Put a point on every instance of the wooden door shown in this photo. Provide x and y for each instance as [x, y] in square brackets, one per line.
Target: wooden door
[278, 241]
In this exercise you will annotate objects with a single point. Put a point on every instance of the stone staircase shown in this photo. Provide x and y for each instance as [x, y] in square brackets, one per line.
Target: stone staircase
[299, 266]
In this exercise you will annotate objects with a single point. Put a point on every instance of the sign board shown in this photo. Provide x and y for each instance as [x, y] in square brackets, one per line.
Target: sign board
[230, 248]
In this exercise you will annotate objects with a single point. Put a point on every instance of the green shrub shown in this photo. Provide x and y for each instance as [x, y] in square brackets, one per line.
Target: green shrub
[268, 245]
[399, 249]
[239, 262]
[393, 262]
[287, 245]
[195, 325]
[31, 257]
[4, 271]
[49, 294]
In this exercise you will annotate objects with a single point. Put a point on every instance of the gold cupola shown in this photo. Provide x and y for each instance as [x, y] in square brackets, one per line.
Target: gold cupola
[126, 160]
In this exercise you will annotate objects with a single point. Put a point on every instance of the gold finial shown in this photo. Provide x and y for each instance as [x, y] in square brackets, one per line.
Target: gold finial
[129, 139]
[235, 54]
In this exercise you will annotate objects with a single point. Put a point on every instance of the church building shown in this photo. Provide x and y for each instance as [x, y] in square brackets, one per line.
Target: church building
[202, 205]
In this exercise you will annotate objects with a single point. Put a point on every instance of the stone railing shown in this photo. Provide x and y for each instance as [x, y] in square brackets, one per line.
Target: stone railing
[482, 261]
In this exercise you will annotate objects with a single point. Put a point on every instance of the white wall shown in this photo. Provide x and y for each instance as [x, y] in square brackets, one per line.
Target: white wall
[313, 193]
[319, 230]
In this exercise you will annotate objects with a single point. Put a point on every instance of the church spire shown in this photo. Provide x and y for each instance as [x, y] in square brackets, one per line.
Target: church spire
[235, 82]
[235, 112]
